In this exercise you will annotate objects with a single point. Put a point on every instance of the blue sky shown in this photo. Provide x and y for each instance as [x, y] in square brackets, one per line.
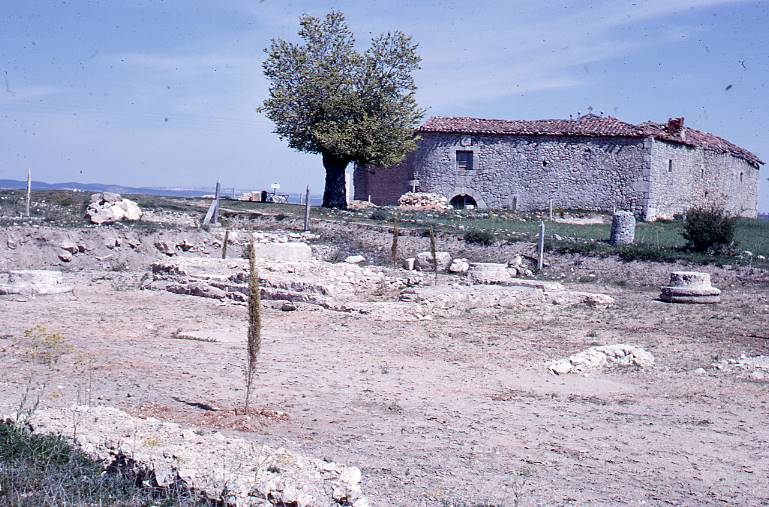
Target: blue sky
[163, 93]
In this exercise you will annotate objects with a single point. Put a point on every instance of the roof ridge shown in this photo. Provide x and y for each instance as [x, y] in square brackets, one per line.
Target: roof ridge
[589, 125]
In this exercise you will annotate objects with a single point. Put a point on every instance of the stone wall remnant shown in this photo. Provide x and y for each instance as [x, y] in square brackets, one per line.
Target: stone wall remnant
[244, 472]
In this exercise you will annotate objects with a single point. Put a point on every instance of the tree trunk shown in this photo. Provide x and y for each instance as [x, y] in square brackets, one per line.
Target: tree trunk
[335, 195]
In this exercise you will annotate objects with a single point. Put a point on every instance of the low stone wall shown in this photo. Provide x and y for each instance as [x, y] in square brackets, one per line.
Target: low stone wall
[225, 468]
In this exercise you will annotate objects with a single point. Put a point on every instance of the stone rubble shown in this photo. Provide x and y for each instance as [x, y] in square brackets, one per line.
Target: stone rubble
[459, 266]
[107, 208]
[744, 362]
[423, 200]
[241, 472]
[603, 356]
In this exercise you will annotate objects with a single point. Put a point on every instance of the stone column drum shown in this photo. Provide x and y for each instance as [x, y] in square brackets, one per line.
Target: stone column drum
[690, 287]
[622, 228]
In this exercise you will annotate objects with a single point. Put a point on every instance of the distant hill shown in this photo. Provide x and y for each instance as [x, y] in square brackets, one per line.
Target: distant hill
[293, 198]
[101, 187]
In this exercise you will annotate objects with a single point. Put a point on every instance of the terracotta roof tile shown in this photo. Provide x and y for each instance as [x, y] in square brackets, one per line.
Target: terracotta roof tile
[694, 137]
[588, 125]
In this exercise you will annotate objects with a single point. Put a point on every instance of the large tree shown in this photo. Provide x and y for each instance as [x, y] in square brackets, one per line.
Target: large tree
[326, 97]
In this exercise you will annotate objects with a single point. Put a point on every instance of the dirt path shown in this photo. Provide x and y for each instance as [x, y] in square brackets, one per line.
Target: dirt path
[455, 411]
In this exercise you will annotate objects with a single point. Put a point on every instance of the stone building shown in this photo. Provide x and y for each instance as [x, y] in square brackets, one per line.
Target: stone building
[590, 163]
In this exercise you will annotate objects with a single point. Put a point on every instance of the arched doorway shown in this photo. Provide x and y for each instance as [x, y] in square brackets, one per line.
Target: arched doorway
[463, 201]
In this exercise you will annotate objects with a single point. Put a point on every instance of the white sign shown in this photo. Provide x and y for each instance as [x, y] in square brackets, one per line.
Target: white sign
[275, 186]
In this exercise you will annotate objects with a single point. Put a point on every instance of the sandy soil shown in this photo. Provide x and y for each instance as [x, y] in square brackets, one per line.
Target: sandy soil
[457, 410]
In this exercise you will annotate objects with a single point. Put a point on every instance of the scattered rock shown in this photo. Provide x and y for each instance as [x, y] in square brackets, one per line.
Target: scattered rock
[69, 247]
[165, 248]
[409, 263]
[288, 306]
[185, 246]
[355, 259]
[603, 356]
[459, 266]
[424, 261]
[745, 362]
[515, 262]
[488, 273]
[65, 256]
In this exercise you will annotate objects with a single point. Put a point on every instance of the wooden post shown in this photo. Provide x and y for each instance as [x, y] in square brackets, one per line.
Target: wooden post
[224, 245]
[215, 217]
[541, 247]
[29, 190]
[307, 209]
[551, 210]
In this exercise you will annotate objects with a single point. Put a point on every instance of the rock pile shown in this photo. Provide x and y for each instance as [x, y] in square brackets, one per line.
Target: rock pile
[107, 208]
[239, 471]
[423, 200]
[601, 357]
[690, 287]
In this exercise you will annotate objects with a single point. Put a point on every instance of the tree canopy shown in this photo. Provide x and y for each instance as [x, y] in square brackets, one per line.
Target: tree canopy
[326, 97]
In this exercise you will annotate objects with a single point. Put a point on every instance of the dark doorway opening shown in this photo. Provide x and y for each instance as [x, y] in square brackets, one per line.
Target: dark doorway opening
[463, 201]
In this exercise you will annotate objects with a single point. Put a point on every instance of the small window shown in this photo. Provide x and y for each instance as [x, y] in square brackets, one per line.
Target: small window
[465, 160]
[740, 177]
[544, 163]
[702, 172]
[670, 165]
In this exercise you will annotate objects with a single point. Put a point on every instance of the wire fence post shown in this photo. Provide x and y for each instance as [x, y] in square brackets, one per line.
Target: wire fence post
[541, 247]
[307, 209]
[215, 217]
[29, 190]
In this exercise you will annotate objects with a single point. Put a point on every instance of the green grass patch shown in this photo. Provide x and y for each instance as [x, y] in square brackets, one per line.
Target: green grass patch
[47, 470]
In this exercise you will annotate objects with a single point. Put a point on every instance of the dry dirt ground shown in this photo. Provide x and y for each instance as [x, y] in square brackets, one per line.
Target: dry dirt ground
[457, 410]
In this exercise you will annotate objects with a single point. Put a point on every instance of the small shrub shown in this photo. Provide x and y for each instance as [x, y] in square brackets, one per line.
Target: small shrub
[708, 229]
[479, 237]
[646, 252]
[281, 216]
[379, 215]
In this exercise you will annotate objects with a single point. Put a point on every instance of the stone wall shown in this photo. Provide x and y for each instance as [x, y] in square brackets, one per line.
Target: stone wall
[384, 184]
[596, 173]
[684, 176]
[524, 172]
[734, 182]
